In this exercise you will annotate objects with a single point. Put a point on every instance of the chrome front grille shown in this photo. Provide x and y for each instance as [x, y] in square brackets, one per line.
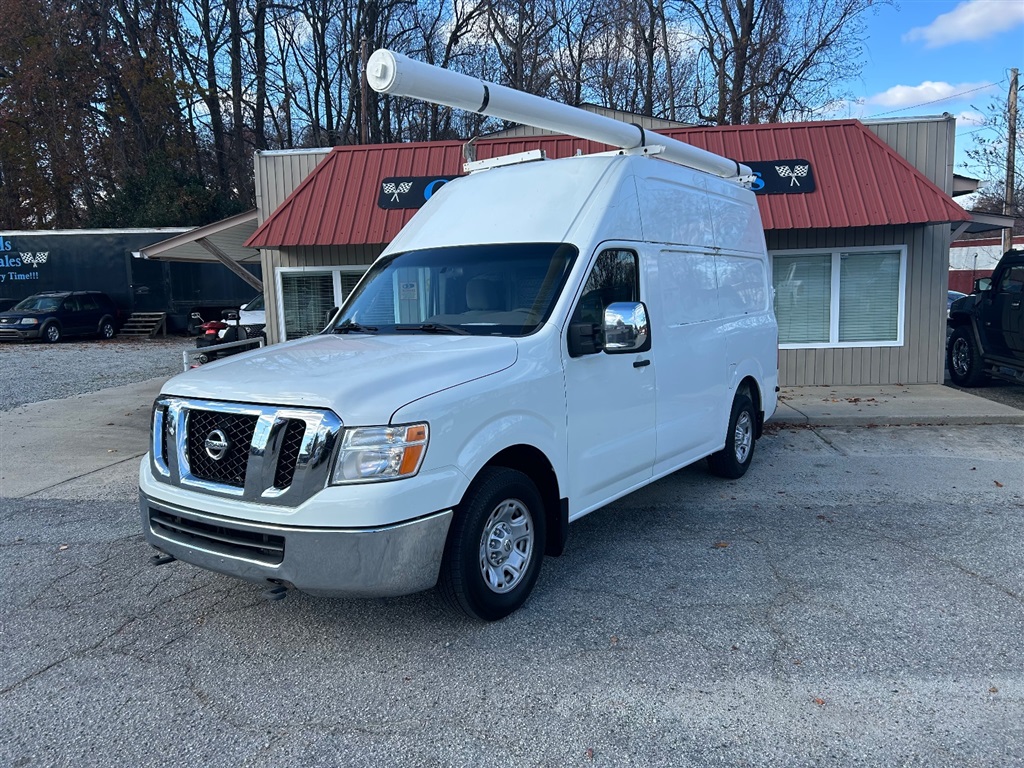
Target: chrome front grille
[259, 453]
[222, 466]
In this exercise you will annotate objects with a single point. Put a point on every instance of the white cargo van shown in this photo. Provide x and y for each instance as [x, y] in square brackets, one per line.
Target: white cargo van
[541, 339]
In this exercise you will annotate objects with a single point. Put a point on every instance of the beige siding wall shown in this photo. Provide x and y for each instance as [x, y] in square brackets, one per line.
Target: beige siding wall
[920, 359]
[279, 173]
[277, 176]
[927, 144]
[313, 258]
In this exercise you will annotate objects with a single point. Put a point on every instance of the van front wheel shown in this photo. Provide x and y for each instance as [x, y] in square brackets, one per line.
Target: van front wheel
[733, 461]
[495, 546]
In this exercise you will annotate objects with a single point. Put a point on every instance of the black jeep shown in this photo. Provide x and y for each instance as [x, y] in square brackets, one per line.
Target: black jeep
[987, 327]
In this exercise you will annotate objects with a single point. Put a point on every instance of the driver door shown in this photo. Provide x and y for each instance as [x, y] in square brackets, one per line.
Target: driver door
[609, 397]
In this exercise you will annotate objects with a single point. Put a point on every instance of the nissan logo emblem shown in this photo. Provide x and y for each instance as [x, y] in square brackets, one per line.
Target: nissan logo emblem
[216, 445]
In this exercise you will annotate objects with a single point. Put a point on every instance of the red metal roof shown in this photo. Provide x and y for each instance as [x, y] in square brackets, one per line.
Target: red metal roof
[860, 181]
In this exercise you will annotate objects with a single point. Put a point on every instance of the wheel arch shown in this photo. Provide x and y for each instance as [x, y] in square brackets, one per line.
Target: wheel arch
[533, 463]
[965, 319]
[753, 390]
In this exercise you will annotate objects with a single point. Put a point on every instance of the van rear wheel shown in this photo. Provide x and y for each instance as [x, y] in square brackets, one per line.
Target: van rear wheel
[734, 459]
[495, 546]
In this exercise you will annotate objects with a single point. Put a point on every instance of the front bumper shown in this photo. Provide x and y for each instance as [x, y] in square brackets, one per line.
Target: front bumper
[11, 333]
[384, 561]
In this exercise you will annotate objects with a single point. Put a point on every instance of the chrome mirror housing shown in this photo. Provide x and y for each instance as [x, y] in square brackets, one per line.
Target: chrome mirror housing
[626, 328]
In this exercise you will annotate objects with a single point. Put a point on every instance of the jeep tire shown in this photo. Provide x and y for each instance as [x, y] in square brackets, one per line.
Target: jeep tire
[963, 359]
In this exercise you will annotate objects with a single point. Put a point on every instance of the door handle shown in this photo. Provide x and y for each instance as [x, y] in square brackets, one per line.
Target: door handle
[1015, 304]
[641, 363]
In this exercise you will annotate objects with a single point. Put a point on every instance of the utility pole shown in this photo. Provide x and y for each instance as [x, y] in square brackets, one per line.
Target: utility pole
[364, 122]
[1011, 149]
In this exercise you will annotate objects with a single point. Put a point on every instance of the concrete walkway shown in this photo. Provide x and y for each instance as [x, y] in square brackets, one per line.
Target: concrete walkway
[888, 405]
[44, 445]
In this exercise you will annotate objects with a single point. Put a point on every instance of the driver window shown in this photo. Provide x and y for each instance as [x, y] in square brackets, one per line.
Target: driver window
[1013, 280]
[615, 277]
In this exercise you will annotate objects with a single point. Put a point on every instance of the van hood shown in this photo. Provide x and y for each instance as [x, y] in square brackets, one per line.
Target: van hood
[363, 379]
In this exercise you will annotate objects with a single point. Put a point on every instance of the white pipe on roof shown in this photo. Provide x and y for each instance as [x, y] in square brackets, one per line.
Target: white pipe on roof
[397, 75]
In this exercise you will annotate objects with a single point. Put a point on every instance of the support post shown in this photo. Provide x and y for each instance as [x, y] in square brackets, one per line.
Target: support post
[231, 264]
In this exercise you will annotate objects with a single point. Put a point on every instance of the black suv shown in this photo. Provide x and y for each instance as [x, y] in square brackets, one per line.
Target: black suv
[987, 336]
[52, 315]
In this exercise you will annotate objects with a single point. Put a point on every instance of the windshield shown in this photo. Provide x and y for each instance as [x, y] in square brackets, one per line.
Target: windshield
[256, 305]
[485, 290]
[39, 303]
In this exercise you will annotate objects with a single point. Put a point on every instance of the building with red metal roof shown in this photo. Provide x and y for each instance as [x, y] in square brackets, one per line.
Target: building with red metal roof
[857, 218]
[860, 182]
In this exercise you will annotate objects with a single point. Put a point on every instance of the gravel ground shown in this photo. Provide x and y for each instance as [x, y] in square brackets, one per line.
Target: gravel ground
[33, 372]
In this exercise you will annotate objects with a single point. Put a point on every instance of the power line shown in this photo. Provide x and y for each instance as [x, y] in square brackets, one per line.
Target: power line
[936, 101]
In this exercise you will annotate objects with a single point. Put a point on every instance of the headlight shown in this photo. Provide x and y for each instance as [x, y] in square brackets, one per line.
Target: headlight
[29, 321]
[380, 453]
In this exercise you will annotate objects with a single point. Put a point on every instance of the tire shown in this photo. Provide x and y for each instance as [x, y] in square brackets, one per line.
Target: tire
[106, 330]
[51, 333]
[963, 360]
[203, 359]
[495, 546]
[734, 459]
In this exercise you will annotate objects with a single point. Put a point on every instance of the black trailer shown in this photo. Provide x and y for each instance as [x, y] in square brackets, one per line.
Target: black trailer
[101, 260]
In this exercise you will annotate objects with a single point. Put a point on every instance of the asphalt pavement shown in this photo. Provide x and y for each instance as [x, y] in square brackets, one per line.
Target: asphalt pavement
[856, 599]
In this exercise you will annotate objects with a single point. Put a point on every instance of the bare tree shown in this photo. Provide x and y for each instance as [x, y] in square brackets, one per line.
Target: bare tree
[987, 160]
[769, 60]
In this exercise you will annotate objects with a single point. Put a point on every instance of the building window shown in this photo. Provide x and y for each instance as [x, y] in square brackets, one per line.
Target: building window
[853, 297]
[305, 296]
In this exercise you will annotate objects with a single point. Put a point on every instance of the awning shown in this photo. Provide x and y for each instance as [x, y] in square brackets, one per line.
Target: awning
[222, 241]
[982, 222]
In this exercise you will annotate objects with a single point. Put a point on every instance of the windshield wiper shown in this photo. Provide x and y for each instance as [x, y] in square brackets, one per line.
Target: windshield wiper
[433, 328]
[348, 326]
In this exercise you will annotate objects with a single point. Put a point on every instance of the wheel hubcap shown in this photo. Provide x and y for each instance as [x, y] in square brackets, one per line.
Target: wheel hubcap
[506, 546]
[960, 357]
[743, 437]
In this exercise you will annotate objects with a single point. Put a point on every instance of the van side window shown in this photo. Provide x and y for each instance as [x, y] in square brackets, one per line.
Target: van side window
[615, 277]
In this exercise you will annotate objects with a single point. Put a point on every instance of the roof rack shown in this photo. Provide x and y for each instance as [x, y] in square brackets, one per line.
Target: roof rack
[394, 74]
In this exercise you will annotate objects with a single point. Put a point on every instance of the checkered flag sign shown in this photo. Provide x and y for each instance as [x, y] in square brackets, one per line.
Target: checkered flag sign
[396, 189]
[792, 173]
[35, 259]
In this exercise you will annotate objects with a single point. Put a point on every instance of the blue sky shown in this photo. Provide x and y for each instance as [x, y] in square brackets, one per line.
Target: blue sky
[926, 57]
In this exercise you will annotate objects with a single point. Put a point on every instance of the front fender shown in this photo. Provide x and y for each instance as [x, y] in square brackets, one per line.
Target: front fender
[473, 422]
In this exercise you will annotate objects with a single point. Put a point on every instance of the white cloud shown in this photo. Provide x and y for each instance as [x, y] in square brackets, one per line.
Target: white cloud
[971, 20]
[928, 92]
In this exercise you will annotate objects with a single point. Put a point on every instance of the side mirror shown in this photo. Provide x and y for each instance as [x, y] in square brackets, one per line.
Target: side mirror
[983, 284]
[583, 339]
[626, 328]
